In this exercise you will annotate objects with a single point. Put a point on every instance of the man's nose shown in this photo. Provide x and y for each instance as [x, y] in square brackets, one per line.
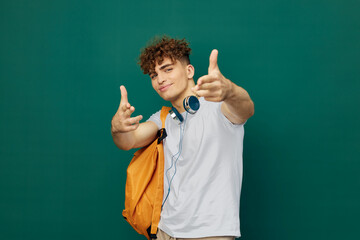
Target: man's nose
[161, 79]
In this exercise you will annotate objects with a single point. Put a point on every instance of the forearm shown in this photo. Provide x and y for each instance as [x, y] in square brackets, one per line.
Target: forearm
[142, 136]
[238, 105]
[124, 141]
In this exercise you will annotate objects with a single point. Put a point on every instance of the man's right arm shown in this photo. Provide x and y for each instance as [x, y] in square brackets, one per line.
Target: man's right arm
[126, 131]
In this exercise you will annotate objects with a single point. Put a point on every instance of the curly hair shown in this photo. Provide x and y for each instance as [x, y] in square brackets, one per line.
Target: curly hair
[160, 48]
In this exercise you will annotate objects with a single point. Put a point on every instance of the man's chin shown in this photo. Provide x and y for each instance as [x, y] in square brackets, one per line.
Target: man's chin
[167, 97]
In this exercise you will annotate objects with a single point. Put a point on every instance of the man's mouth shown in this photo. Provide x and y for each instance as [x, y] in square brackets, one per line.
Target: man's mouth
[164, 88]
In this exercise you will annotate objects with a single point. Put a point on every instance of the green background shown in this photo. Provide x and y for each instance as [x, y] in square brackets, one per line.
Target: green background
[61, 65]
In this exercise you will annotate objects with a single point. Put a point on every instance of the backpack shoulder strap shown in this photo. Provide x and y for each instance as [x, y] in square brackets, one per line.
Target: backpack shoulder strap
[159, 173]
[162, 132]
[164, 112]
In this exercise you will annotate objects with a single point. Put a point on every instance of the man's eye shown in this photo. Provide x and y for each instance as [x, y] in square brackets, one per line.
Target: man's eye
[168, 69]
[153, 76]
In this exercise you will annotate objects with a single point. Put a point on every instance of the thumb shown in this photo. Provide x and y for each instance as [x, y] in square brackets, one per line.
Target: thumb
[124, 98]
[213, 65]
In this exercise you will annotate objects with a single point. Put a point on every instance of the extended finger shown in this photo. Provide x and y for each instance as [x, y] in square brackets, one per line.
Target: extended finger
[133, 127]
[204, 93]
[205, 79]
[201, 81]
[134, 120]
[213, 65]
[212, 86]
[124, 98]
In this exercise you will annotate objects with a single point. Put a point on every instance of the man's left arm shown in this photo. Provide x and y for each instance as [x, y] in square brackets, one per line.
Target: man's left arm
[237, 105]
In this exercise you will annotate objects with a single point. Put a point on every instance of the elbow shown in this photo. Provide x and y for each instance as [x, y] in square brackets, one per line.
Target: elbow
[251, 110]
[126, 146]
[123, 144]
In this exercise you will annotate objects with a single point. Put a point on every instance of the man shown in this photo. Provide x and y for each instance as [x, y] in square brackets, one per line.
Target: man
[203, 153]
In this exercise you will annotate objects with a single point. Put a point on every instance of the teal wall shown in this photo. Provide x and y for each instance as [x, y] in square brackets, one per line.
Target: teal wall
[61, 65]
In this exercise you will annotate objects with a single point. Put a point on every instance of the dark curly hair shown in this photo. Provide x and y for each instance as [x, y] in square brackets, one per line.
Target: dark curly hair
[160, 48]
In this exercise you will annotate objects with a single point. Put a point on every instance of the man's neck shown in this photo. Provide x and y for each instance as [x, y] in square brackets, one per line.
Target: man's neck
[178, 103]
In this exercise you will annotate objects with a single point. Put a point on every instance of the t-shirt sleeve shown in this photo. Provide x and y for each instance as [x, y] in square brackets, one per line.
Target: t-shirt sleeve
[156, 119]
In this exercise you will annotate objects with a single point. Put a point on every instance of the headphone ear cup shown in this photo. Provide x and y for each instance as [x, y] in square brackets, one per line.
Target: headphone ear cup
[176, 115]
[191, 104]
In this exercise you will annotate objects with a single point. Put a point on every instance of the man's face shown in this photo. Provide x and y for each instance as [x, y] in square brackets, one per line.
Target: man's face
[171, 79]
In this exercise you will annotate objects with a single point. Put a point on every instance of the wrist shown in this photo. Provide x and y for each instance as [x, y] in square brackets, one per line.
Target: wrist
[232, 91]
[237, 94]
[114, 130]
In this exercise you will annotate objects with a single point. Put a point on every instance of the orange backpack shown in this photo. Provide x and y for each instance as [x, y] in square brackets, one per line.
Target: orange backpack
[145, 185]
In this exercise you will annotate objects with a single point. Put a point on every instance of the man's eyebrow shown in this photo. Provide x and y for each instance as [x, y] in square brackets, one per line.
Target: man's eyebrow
[166, 65]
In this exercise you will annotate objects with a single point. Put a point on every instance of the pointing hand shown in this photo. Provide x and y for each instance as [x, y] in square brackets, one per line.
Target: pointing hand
[214, 86]
[122, 121]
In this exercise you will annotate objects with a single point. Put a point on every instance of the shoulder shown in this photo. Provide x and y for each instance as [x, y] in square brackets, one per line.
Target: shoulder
[214, 110]
[155, 117]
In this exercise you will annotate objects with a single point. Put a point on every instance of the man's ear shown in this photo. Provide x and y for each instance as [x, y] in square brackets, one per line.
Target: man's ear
[190, 71]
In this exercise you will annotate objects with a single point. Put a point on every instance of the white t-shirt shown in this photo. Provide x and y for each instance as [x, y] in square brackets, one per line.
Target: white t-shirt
[204, 197]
